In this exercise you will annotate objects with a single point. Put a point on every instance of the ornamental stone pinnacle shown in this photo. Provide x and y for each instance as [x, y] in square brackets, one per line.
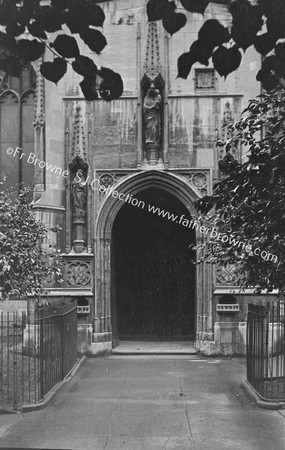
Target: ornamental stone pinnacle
[78, 146]
[152, 66]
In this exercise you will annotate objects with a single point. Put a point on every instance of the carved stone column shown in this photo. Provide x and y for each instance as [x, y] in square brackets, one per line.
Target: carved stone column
[39, 129]
[79, 223]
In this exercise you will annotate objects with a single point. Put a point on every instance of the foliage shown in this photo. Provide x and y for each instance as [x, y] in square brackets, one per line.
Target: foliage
[260, 23]
[249, 200]
[24, 266]
[49, 25]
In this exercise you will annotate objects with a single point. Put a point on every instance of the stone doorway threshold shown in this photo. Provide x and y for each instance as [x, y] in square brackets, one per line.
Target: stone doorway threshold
[155, 348]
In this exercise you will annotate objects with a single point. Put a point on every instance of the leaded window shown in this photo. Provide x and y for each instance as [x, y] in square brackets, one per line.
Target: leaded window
[16, 128]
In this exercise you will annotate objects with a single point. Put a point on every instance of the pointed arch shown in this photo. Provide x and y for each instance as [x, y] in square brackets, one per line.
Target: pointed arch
[172, 183]
[132, 184]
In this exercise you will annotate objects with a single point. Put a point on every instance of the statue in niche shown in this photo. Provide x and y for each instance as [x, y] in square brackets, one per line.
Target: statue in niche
[79, 193]
[152, 116]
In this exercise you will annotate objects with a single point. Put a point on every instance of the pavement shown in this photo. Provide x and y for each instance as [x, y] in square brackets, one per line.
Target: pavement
[149, 402]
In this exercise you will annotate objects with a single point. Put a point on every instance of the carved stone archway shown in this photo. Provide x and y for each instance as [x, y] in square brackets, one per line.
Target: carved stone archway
[184, 191]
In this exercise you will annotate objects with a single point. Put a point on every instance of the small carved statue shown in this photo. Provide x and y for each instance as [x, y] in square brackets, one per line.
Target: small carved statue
[79, 193]
[152, 116]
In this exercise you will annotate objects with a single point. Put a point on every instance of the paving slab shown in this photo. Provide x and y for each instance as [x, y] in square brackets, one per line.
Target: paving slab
[150, 403]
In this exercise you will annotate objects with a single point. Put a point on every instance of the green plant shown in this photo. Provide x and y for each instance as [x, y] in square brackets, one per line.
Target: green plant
[249, 200]
[24, 266]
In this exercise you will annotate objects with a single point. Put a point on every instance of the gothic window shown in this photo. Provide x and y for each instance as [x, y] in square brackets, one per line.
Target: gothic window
[205, 79]
[16, 128]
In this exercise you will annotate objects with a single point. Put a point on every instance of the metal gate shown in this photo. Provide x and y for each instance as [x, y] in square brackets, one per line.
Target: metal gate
[36, 354]
[266, 350]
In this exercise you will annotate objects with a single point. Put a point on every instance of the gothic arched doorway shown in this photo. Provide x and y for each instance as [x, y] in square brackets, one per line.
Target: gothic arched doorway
[152, 270]
[185, 193]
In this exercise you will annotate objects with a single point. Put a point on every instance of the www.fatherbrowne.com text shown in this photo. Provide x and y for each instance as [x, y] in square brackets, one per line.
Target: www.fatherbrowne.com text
[213, 233]
[96, 184]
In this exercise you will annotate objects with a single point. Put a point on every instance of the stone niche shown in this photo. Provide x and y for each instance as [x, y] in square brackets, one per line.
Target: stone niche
[229, 327]
[78, 172]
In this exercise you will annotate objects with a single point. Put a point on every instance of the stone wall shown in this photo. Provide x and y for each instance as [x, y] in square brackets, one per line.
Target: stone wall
[193, 116]
[112, 131]
[230, 326]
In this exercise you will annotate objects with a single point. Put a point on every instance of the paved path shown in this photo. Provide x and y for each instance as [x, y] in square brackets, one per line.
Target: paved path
[149, 403]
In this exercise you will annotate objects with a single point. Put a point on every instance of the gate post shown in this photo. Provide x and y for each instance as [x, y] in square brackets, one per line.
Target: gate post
[41, 323]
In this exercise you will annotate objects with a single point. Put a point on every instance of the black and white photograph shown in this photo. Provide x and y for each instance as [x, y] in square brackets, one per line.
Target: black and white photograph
[142, 224]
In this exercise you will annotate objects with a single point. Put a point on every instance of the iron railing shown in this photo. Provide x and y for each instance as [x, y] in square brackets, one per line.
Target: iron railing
[266, 350]
[35, 354]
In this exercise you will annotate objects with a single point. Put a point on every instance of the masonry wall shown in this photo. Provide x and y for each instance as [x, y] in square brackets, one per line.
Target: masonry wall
[194, 117]
[194, 120]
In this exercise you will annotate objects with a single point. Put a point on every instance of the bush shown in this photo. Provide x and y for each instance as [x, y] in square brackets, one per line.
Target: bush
[24, 266]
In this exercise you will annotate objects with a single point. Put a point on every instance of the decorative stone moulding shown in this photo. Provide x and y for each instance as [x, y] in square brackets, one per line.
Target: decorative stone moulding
[83, 309]
[227, 309]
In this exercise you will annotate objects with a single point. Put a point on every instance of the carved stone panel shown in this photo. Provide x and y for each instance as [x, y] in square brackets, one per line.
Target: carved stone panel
[199, 178]
[205, 79]
[228, 275]
[78, 273]
[107, 179]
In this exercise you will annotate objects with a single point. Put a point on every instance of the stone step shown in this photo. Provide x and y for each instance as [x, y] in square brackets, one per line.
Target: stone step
[155, 348]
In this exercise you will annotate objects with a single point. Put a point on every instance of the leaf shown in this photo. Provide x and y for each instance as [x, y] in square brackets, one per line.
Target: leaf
[14, 29]
[247, 21]
[88, 87]
[84, 66]
[23, 15]
[280, 70]
[106, 73]
[11, 65]
[94, 39]
[226, 60]
[36, 30]
[50, 19]
[280, 51]
[96, 15]
[8, 43]
[111, 89]
[66, 46]
[270, 63]
[261, 74]
[112, 85]
[155, 9]
[60, 4]
[196, 6]
[174, 23]
[213, 33]
[264, 43]
[201, 52]
[77, 18]
[275, 13]
[54, 71]
[7, 10]
[270, 82]
[30, 50]
[184, 65]
[30, 6]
